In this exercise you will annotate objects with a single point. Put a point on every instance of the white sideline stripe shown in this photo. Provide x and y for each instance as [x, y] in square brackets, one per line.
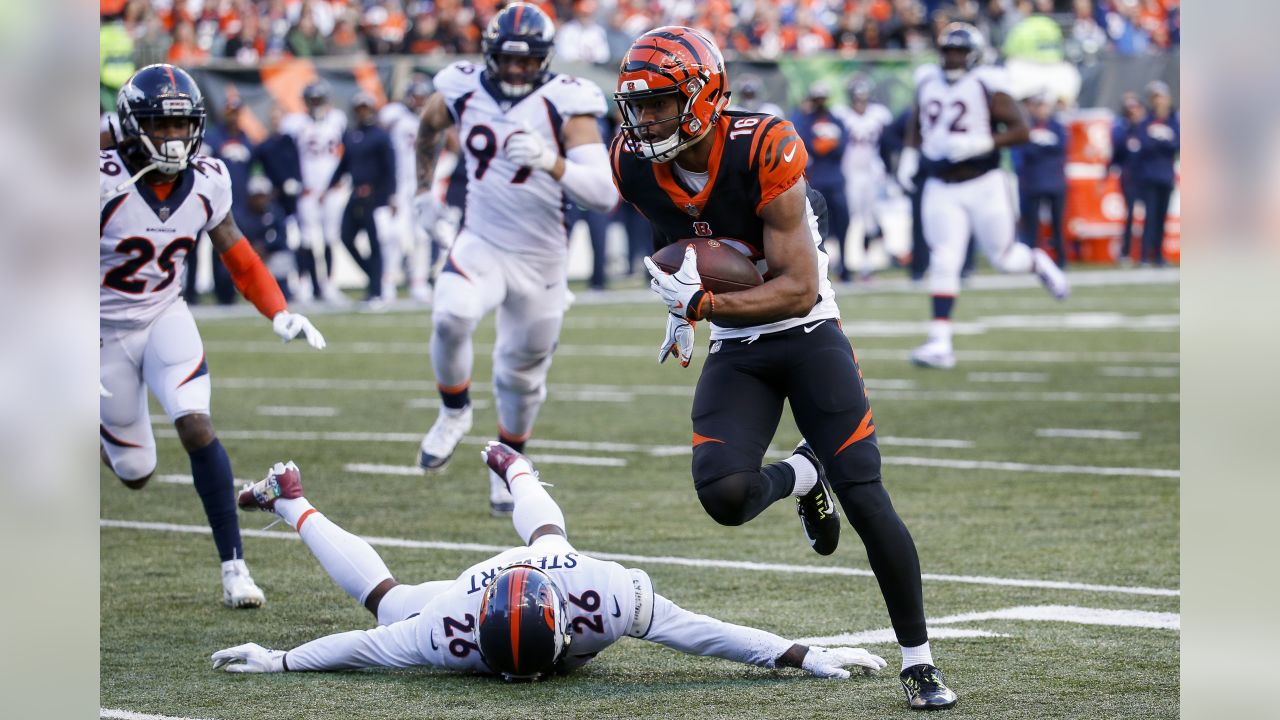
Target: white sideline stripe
[886, 636]
[669, 560]
[1034, 613]
[1030, 468]
[646, 352]
[188, 480]
[1087, 434]
[297, 411]
[131, 715]
[294, 383]
[672, 451]
[1138, 372]
[1010, 377]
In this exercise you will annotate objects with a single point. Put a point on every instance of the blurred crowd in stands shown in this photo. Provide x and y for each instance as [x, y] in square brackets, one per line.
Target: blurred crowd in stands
[192, 32]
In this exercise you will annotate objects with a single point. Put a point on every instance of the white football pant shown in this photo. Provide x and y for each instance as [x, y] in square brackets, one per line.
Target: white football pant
[982, 206]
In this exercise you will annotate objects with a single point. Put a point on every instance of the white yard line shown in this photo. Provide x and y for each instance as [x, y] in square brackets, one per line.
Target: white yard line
[1138, 372]
[887, 636]
[187, 480]
[954, 464]
[115, 714]
[540, 459]
[1009, 377]
[671, 560]
[1087, 434]
[297, 411]
[1026, 396]
[1032, 613]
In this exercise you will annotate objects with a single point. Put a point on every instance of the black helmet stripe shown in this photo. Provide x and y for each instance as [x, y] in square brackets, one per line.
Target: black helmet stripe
[680, 39]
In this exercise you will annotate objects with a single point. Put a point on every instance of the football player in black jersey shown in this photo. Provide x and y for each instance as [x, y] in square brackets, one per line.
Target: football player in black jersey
[696, 170]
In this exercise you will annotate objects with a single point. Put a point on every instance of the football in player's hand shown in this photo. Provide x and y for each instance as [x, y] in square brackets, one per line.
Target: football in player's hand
[723, 268]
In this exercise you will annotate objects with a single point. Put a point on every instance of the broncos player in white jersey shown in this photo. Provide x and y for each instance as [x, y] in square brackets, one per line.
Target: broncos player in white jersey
[400, 119]
[529, 138]
[963, 115]
[318, 135]
[863, 168]
[524, 614]
[156, 197]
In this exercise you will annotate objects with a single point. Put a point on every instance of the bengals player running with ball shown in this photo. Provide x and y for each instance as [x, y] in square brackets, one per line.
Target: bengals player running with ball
[696, 170]
[156, 196]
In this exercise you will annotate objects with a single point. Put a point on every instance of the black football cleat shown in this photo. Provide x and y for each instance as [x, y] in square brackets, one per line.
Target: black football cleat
[817, 508]
[926, 689]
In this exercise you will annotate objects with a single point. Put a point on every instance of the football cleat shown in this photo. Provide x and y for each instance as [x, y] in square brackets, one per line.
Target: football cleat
[1051, 276]
[934, 354]
[443, 438]
[283, 480]
[238, 589]
[926, 689]
[501, 502]
[818, 514]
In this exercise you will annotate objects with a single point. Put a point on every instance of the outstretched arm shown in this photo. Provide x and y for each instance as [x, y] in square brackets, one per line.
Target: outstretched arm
[689, 632]
[394, 645]
[699, 634]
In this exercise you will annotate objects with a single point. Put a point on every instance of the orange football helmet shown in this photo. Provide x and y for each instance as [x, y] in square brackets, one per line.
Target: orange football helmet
[676, 61]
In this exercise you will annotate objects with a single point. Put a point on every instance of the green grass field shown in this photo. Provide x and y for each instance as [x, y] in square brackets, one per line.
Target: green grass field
[1014, 496]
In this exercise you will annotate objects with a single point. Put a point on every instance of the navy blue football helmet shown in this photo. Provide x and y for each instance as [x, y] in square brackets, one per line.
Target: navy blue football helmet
[523, 625]
[316, 97]
[961, 36]
[162, 118]
[519, 30]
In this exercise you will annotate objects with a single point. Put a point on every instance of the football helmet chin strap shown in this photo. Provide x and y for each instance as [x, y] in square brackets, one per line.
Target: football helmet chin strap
[170, 158]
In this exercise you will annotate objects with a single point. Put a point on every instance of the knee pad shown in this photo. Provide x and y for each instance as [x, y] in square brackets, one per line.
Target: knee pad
[728, 498]
[452, 328]
[132, 465]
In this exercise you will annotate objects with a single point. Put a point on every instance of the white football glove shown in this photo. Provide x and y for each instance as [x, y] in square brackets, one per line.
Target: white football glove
[963, 147]
[908, 166]
[1160, 131]
[249, 658]
[831, 662]
[287, 325]
[426, 210]
[676, 290]
[1041, 136]
[530, 150]
[678, 342]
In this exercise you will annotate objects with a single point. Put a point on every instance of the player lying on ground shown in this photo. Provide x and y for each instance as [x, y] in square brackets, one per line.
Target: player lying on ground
[156, 196]
[522, 614]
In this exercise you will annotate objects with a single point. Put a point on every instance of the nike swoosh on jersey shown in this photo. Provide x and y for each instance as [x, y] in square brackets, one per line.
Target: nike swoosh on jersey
[810, 328]
[433, 641]
[788, 155]
[617, 610]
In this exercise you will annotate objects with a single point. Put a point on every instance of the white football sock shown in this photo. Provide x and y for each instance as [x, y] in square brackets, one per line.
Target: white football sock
[806, 474]
[352, 563]
[918, 655]
[940, 330]
[534, 506]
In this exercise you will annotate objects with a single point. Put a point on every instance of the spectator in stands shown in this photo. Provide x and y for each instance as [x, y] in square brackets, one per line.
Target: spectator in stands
[582, 39]
[346, 38]
[1042, 175]
[1125, 157]
[152, 40]
[245, 45]
[263, 225]
[304, 39]
[825, 138]
[369, 158]
[1160, 138]
[185, 50]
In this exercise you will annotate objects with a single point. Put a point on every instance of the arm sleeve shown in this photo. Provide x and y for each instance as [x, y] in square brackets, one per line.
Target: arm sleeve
[587, 178]
[779, 160]
[696, 634]
[393, 645]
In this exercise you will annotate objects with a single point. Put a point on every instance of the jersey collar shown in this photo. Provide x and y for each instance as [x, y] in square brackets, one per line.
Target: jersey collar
[694, 204]
[164, 209]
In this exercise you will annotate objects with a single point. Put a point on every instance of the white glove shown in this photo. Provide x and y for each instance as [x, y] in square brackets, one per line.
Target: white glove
[249, 658]
[679, 289]
[530, 150]
[678, 342]
[291, 187]
[287, 325]
[426, 210]
[908, 166]
[963, 147]
[102, 390]
[1159, 131]
[1041, 136]
[830, 662]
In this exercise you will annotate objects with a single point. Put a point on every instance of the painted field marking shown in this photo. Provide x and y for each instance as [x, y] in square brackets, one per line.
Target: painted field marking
[188, 480]
[1033, 613]
[671, 560]
[414, 470]
[116, 714]
[1033, 397]
[886, 636]
[1009, 377]
[1087, 434]
[433, 403]
[1138, 372]
[673, 451]
[297, 411]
